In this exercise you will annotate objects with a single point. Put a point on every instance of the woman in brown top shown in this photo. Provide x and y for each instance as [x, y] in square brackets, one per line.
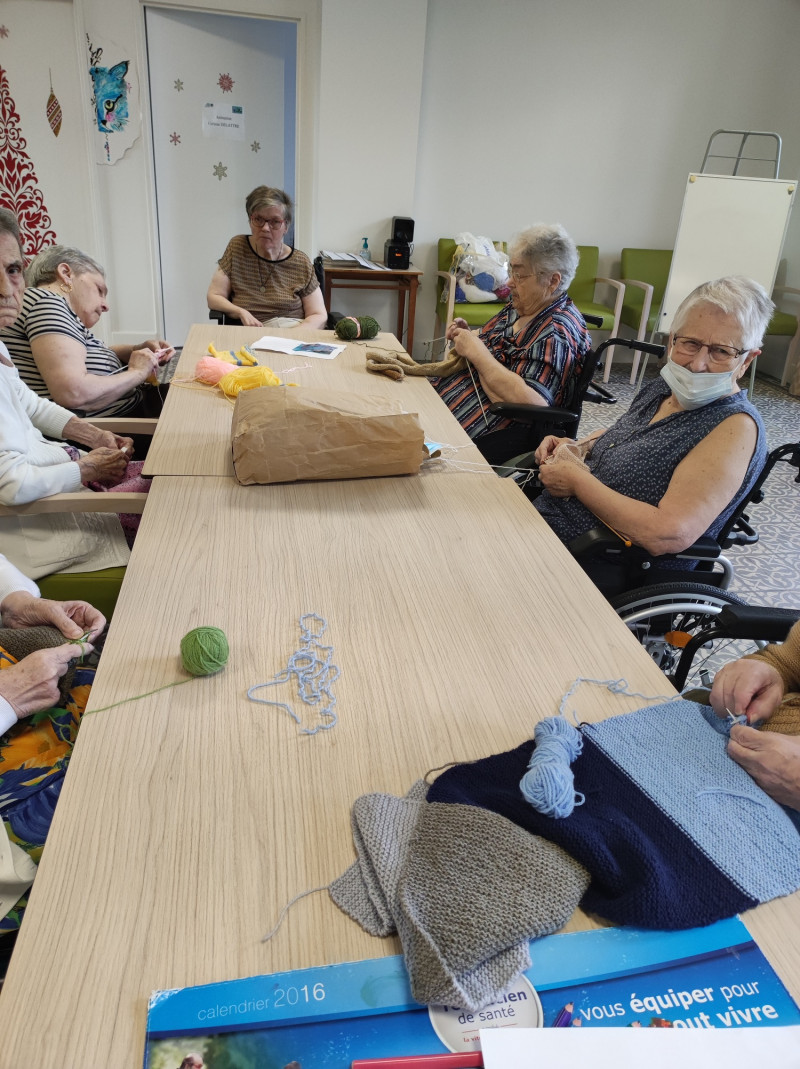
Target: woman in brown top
[765, 687]
[261, 279]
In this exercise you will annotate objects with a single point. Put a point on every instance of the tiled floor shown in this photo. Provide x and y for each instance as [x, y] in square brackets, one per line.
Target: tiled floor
[767, 573]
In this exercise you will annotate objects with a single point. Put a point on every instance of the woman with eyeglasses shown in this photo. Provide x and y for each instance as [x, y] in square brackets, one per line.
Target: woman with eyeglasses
[691, 445]
[531, 352]
[57, 355]
[262, 280]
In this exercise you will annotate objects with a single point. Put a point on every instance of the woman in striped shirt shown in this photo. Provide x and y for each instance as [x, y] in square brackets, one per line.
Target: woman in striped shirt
[58, 356]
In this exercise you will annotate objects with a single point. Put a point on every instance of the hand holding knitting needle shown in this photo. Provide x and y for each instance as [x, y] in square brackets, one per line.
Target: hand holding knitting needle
[750, 687]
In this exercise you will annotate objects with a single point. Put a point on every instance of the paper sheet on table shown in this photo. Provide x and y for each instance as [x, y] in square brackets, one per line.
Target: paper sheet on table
[321, 350]
[631, 1048]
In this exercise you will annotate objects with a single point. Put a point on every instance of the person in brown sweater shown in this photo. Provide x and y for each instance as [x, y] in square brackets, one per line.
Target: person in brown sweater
[765, 687]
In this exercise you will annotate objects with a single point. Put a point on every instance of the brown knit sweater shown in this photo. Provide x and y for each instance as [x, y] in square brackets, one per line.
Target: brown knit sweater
[786, 660]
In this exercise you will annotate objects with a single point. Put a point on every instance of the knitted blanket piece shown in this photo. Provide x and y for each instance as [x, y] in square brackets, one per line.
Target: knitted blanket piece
[464, 923]
[673, 832]
[20, 641]
[396, 365]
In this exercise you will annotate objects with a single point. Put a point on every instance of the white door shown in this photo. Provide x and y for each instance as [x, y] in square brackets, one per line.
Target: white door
[207, 159]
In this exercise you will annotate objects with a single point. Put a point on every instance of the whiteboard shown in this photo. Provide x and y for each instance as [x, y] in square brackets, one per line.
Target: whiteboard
[728, 226]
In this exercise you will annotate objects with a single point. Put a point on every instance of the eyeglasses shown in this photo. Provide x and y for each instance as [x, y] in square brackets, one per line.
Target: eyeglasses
[514, 273]
[259, 222]
[717, 354]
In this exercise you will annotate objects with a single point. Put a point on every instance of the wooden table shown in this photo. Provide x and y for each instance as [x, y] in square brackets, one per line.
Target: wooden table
[189, 818]
[342, 277]
[193, 436]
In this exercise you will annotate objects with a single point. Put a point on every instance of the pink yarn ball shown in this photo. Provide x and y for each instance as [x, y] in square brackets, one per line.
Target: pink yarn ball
[210, 370]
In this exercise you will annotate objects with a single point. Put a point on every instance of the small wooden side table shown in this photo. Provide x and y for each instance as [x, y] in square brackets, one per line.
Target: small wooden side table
[340, 276]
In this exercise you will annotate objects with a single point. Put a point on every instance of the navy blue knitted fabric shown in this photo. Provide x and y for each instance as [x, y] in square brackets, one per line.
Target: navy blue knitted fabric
[644, 870]
[638, 458]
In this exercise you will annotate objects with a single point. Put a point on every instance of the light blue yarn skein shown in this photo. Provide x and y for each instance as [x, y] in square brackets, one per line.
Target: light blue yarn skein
[549, 784]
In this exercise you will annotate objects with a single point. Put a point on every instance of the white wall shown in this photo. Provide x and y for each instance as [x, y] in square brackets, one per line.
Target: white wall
[459, 113]
[592, 114]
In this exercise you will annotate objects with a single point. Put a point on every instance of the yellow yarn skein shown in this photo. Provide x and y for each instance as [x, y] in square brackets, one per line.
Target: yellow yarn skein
[247, 378]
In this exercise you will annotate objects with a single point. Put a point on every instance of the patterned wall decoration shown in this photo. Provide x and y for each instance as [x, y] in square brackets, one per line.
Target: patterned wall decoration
[116, 119]
[54, 113]
[19, 190]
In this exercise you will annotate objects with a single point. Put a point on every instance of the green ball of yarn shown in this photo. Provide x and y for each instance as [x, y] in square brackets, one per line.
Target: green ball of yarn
[361, 327]
[204, 651]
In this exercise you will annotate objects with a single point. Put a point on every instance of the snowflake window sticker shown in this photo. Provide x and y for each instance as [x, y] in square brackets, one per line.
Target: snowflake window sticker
[175, 138]
[226, 83]
[178, 85]
[220, 171]
[255, 146]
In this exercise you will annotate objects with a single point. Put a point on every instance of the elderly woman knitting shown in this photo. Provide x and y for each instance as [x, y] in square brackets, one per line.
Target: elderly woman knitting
[37, 651]
[59, 357]
[34, 464]
[765, 687]
[529, 353]
[691, 444]
[260, 279]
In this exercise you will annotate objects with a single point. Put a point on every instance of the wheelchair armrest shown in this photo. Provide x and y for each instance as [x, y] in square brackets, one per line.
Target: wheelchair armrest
[533, 414]
[596, 538]
[214, 313]
[757, 622]
[602, 538]
[599, 394]
[705, 548]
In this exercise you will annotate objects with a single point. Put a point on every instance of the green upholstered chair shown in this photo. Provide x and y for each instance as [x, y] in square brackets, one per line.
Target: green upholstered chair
[447, 308]
[100, 588]
[583, 293]
[645, 273]
[784, 324]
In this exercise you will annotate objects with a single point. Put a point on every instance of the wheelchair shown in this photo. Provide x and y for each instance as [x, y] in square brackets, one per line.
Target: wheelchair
[681, 611]
[676, 605]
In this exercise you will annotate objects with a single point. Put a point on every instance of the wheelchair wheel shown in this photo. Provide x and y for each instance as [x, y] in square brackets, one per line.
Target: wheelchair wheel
[665, 617]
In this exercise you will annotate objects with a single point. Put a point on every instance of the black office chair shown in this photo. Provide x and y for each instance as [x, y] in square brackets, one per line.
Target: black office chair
[223, 318]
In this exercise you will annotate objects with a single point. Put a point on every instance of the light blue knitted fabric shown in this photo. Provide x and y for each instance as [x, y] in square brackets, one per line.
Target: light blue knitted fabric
[680, 762]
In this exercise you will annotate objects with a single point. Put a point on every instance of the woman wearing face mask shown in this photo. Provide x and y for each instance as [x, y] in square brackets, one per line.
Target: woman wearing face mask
[677, 463]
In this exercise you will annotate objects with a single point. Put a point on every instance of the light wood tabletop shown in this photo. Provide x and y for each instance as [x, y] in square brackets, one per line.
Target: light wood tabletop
[190, 817]
[193, 436]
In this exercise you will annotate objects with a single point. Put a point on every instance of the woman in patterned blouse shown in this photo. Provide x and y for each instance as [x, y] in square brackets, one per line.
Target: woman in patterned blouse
[531, 352]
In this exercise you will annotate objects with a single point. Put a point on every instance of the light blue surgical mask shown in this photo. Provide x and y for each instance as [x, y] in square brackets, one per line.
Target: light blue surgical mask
[694, 389]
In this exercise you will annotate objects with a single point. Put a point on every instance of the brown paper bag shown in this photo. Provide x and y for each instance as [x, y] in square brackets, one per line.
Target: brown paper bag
[281, 434]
